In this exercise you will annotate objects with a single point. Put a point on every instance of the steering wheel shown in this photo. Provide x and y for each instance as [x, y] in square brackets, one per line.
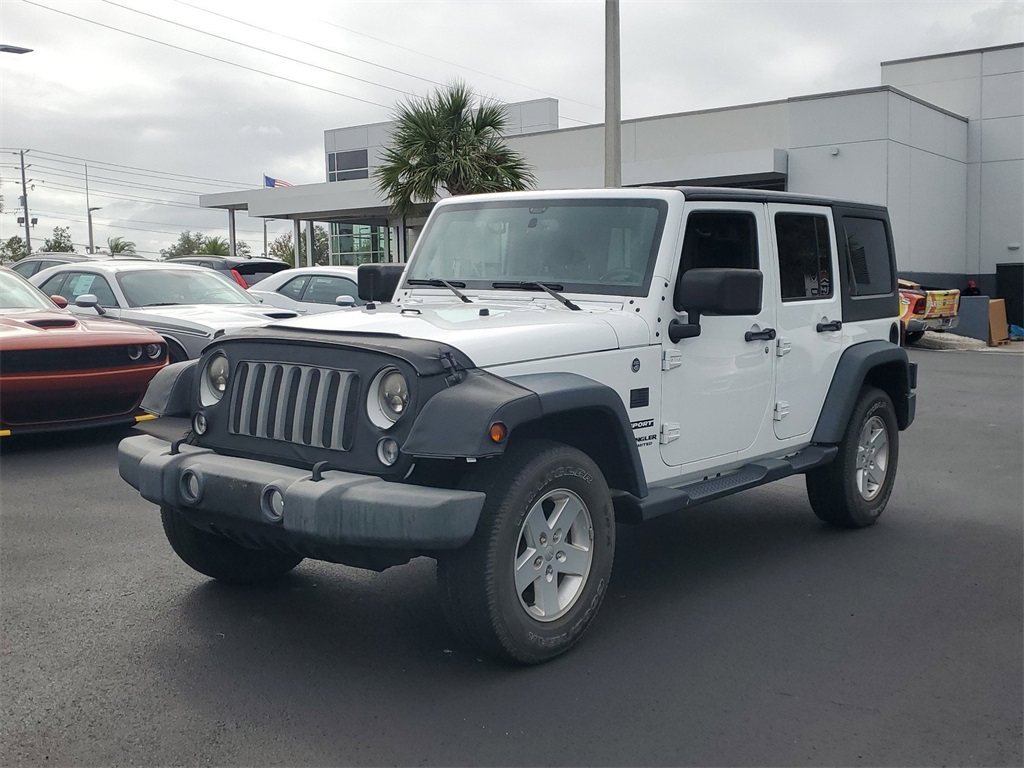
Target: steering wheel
[621, 274]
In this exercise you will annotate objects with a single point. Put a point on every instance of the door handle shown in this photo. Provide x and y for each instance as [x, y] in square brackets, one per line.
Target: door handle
[832, 325]
[766, 335]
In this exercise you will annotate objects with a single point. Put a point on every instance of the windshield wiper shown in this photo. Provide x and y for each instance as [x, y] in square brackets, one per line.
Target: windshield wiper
[549, 288]
[162, 304]
[437, 282]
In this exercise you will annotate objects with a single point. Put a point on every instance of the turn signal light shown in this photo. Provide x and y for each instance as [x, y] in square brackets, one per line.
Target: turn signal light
[498, 432]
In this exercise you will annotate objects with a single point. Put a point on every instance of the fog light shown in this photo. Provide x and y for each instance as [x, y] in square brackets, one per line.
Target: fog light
[387, 451]
[190, 486]
[199, 424]
[272, 502]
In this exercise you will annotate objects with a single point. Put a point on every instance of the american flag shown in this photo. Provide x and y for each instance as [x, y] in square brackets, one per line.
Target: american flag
[271, 182]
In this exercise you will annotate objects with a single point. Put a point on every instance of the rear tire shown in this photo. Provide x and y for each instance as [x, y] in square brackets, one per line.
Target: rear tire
[532, 578]
[221, 558]
[852, 491]
[914, 336]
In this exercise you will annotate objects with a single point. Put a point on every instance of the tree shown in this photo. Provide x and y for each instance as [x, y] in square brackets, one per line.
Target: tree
[13, 249]
[216, 246]
[282, 247]
[60, 242]
[443, 142]
[188, 242]
[120, 245]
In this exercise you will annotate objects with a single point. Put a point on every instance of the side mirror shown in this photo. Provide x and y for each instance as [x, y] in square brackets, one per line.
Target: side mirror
[715, 292]
[60, 301]
[88, 300]
[378, 282]
[345, 301]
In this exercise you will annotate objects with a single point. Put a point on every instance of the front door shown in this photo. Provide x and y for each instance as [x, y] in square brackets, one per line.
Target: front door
[810, 335]
[718, 386]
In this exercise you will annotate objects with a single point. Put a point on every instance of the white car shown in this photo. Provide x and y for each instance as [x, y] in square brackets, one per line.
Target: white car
[189, 306]
[309, 290]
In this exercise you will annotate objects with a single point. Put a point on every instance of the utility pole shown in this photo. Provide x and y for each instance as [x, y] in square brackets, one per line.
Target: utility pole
[88, 214]
[612, 97]
[24, 202]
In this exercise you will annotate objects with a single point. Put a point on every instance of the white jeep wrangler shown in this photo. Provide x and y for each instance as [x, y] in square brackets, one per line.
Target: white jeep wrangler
[553, 363]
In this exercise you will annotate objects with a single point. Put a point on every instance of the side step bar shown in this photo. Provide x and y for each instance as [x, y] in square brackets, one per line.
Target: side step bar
[662, 500]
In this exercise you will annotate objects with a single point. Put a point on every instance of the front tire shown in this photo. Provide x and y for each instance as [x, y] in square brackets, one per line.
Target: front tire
[221, 558]
[532, 579]
[853, 490]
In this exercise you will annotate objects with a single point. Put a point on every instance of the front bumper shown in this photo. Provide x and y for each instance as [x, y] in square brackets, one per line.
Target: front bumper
[339, 509]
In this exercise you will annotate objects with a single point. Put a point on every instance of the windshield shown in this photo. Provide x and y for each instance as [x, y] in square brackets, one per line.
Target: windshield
[161, 287]
[16, 293]
[593, 246]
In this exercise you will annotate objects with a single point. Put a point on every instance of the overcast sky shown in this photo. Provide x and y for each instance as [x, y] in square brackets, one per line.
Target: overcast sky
[208, 99]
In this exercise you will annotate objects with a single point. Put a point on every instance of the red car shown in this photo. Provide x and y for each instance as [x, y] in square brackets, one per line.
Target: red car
[60, 371]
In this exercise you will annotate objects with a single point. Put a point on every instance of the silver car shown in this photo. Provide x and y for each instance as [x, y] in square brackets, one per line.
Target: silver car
[309, 290]
[188, 306]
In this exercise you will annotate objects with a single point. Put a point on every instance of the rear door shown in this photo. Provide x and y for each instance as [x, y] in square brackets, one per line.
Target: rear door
[809, 324]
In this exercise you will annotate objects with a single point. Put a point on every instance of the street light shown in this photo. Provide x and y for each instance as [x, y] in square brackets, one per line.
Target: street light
[13, 49]
[92, 248]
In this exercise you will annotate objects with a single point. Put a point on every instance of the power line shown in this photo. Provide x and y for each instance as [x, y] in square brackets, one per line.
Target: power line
[115, 196]
[114, 181]
[304, 42]
[381, 66]
[207, 56]
[83, 160]
[261, 50]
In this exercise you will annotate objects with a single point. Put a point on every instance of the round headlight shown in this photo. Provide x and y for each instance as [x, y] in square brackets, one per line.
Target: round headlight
[217, 372]
[393, 395]
[154, 351]
[134, 352]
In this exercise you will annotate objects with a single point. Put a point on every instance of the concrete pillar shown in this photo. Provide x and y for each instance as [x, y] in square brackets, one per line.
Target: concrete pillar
[310, 260]
[231, 232]
[296, 234]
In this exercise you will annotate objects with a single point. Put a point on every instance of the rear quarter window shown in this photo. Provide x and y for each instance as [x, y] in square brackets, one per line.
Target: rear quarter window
[868, 249]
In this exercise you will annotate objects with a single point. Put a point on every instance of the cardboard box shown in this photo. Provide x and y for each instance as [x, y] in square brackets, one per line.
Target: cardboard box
[998, 330]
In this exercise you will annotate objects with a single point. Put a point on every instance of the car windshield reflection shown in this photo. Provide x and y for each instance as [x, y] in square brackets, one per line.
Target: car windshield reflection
[162, 288]
[15, 293]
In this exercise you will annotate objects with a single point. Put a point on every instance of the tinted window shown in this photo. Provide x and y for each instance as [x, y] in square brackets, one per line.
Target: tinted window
[253, 273]
[52, 286]
[26, 268]
[293, 288]
[325, 290]
[81, 283]
[720, 239]
[805, 256]
[868, 248]
[342, 166]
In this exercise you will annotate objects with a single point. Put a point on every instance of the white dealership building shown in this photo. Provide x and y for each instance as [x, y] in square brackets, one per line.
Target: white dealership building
[940, 142]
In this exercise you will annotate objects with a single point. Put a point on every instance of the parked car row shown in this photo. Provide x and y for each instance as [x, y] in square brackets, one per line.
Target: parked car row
[71, 305]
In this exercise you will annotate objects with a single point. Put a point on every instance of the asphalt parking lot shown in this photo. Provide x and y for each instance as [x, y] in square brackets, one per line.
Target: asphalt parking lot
[743, 632]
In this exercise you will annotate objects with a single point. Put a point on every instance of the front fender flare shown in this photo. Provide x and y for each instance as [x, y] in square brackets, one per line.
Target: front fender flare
[456, 423]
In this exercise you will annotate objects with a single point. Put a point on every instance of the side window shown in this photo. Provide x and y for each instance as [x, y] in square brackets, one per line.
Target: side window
[868, 249]
[720, 239]
[325, 290]
[26, 268]
[79, 283]
[805, 256]
[293, 288]
[52, 287]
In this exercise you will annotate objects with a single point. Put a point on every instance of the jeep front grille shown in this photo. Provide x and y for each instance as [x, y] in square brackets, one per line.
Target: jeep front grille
[301, 404]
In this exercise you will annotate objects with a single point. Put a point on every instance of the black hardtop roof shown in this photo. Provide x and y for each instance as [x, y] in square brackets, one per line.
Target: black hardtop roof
[738, 195]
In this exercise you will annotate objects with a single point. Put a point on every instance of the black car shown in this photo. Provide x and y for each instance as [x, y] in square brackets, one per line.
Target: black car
[245, 272]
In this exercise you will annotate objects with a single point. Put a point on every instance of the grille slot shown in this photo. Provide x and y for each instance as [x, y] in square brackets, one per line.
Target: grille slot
[302, 404]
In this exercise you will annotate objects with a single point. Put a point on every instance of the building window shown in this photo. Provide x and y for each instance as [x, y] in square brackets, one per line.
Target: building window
[342, 166]
[354, 244]
[805, 256]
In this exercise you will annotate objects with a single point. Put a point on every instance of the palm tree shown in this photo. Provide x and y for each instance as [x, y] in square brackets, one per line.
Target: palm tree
[443, 142]
[120, 245]
[216, 246]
